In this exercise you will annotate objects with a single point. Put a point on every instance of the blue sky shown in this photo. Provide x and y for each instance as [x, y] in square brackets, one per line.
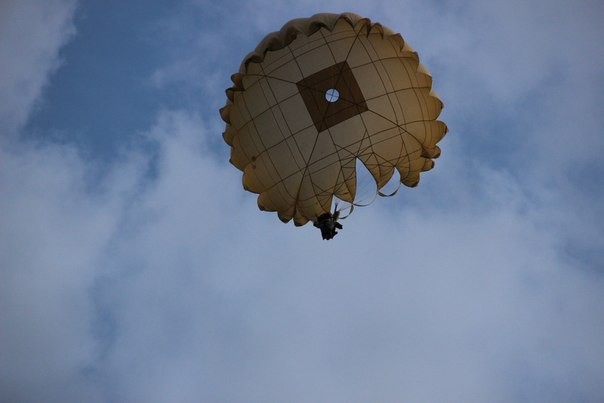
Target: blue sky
[133, 266]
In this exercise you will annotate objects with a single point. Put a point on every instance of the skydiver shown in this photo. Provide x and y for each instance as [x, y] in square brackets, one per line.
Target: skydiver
[328, 223]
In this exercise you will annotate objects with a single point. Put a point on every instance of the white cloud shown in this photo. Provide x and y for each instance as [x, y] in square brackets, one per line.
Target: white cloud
[205, 297]
[52, 234]
[31, 32]
[164, 282]
[207, 302]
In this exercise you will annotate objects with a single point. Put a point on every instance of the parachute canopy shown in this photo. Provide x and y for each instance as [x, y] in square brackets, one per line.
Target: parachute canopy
[316, 97]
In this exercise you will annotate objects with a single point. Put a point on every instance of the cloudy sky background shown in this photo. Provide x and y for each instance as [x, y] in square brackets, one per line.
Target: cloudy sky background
[134, 268]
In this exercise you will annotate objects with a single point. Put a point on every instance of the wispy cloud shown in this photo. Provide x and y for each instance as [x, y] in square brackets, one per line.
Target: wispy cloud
[160, 280]
[31, 36]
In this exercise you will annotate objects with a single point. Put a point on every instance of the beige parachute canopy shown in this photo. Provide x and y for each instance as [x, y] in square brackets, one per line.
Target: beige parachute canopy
[316, 97]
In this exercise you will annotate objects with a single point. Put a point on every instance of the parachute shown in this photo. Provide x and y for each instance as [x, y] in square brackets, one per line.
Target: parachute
[316, 99]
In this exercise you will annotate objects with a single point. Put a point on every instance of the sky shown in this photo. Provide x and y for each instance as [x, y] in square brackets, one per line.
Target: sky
[135, 268]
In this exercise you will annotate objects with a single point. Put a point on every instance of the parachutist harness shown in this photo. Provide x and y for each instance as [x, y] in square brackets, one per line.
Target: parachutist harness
[328, 223]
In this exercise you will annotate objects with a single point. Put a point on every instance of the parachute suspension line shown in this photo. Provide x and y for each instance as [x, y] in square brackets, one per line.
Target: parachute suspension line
[391, 165]
[349, 213]
[366, 185]
[396, 123]
[403, 154]
[297, 125]
[380, 165]
[348, 208]
[330, 92]
[332, 96]
[383, 192]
